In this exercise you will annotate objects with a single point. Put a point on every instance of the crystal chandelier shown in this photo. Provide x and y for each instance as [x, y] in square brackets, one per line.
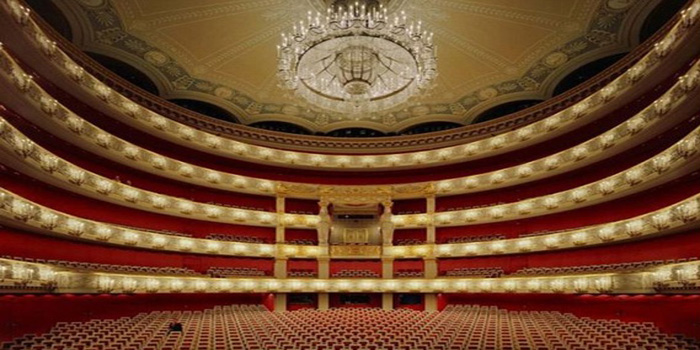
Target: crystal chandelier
[357, 60]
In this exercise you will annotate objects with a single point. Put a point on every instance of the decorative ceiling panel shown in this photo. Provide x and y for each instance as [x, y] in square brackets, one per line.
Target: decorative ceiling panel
[224, 51]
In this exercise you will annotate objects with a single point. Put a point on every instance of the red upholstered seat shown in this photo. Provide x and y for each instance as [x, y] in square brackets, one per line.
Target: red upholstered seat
[255, 328]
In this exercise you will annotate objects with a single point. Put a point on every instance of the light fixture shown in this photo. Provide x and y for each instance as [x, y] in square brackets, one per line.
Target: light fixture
[357, 59]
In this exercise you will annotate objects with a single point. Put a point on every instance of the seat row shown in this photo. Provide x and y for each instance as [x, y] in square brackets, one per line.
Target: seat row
[234, 238]
[133, 269]
[355, 273]
[237, 272]
[301, 242]
[412, 241]
[487, 272]
[469, 239]
[621, 267]
[306, 273]
[458, 327]
[408, 273]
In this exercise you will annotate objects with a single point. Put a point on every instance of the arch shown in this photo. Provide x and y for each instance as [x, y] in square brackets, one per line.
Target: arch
[356, 132]
[205, 108]
[504, 109]
[429, 127]
[50, 13]
[657, 18]
[585, 72]
[281, 127]
[126, 71]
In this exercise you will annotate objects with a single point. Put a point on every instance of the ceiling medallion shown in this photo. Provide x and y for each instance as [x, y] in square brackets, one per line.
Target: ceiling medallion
[357, 60]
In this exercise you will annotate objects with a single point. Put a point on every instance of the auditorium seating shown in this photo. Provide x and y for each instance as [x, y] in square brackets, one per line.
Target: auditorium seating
[300, 242]
[568, 270]
[563, 201]
[302, 273]
[408, 273]
[251, 327]
[677, 286]
[490, 272]
[468, 239]
[408, 241]
[236, 272]
[355, 274]
[135, 269]
[234, 238]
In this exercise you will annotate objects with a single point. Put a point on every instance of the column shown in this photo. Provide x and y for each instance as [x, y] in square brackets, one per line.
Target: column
[387, 267]
[324, 270]
[324, 260]
[388, 301]
[430, 210]
[280, 302]
[279, 229]
[430, 302]
[430, 269]
[387, 273]
[281, 267]
[323, 301]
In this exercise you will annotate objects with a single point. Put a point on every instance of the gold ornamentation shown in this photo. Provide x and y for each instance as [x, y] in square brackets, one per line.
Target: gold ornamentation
[348, 251]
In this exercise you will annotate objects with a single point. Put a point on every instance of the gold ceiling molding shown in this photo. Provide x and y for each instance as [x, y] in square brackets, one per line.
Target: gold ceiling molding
[223, 53]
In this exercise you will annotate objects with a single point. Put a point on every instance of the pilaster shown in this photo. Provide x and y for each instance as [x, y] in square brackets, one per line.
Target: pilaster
[430, 269]
[280, 302]
[387, 301]
[430, 302]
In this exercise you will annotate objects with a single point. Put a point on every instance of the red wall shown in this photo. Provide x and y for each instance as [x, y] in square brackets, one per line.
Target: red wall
[302, 264]
[618, 209]
[30, 245]
[411, 233]
[293, 233]
[93, 209]
[140, 179]
[409, 205]
[24, 314]
[244, 168]
[579, 177]
[371, 265]
[671, 313]
[681, 245]
[413, 264]
[301, 205]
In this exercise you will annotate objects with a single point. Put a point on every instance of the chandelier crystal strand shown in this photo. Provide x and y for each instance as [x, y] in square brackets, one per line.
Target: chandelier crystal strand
[357, 60]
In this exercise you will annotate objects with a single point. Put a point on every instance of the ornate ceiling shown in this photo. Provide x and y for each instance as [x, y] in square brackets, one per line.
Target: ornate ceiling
[224, 51]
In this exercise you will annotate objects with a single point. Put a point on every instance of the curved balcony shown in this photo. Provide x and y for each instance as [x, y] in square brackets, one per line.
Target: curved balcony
[661, 48]
[674, 161]
[67, 279]
[19, 212]
[622, 136]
